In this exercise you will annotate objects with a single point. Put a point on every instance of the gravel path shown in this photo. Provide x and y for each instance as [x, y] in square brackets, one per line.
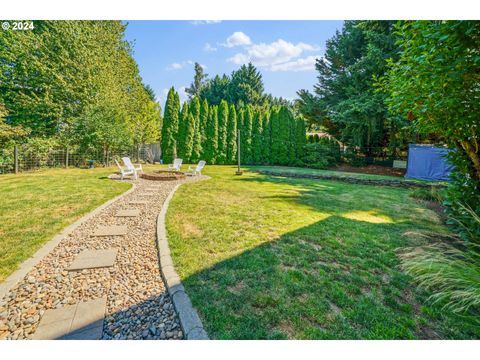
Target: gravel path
[138, 305]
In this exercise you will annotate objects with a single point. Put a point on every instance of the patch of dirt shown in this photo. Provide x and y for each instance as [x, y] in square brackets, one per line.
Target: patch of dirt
[371, 169]
[237, 288]
[287, 329]
[191, 229]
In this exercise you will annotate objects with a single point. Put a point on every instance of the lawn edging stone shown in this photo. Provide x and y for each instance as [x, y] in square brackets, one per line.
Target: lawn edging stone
[31, 262]
[352, 180]
[189, 320]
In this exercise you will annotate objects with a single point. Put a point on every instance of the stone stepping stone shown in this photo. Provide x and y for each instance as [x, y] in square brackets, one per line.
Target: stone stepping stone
[155, 189]
[111, 230]
[82, 321]
[92, 259]
[128, 213]
[151, 193]
[138, 202]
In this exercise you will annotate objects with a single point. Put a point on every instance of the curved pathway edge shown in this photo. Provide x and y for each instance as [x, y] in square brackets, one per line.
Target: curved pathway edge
[189, 320]
[32, 261]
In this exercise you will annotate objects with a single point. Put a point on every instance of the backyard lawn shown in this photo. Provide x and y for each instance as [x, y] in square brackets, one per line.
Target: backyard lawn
[36, 206]
[267, 257]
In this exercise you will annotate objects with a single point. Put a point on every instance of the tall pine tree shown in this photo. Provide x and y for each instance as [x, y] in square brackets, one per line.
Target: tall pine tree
[222, 132]
[232, 135]
[197, 136]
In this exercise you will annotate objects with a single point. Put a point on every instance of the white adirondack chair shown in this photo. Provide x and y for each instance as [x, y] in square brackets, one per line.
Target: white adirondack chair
[126, 172]
[177, 163]
[197, 170]
[128, 164]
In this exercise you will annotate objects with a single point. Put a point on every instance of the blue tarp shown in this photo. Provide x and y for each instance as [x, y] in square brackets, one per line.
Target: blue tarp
[427, 162]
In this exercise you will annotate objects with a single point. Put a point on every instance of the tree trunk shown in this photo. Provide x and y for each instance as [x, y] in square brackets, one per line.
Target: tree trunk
[472, 153]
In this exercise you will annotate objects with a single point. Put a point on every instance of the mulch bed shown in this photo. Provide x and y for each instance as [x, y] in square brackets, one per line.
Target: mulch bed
[371, 169]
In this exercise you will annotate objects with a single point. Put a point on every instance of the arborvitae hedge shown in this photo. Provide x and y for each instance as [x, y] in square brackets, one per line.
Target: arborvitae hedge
[268, 136]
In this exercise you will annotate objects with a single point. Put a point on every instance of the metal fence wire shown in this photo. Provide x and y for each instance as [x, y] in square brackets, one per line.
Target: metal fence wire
[22, 158]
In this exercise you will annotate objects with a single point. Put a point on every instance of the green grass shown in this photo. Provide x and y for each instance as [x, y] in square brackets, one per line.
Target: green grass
[297, 170]
[266, 257]
[36, 206]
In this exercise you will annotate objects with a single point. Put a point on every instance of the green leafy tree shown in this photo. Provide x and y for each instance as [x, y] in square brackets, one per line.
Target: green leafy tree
[222, 132]
[10, 133]
[346, 102]
[232, 135]
[435, 85]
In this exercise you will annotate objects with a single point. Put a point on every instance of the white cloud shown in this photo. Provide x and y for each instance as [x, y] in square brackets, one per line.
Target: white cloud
[205, 22]
[302, 64]
[279, 55]
[183, 94]
[236, 39]
[180, 65]
[209, 48]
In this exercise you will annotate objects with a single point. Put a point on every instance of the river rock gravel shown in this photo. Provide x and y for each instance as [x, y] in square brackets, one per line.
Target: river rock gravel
[138, 305]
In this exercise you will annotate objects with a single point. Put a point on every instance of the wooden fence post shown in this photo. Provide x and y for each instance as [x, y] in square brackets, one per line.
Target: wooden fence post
[66, 157]
[15, 158]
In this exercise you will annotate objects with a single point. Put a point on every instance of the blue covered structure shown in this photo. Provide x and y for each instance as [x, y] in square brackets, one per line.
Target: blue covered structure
[428, 162]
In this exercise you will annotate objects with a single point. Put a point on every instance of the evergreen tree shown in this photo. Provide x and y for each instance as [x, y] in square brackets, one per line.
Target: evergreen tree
[211, 141]
[170, 126]
[300, 139]
[280, 136]
[189, 138]
[232, 135]
[248, 125]
[198, 82]
[266, 139]
[257, 137]
[292, 139]
[222, 132]
[241, 127]
[197, 137]
[203, 123]
[182, 130]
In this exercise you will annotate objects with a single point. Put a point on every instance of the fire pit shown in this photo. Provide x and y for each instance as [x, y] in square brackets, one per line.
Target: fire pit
[163, 175]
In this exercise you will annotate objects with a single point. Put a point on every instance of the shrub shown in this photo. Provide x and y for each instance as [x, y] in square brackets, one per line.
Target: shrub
[322, 155]
[451, 271]
[352, 157]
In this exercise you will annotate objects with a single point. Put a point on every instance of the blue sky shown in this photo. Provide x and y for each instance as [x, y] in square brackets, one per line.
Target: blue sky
[283, 51]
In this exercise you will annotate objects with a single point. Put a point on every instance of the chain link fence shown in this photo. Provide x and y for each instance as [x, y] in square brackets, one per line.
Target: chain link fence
[23, 158]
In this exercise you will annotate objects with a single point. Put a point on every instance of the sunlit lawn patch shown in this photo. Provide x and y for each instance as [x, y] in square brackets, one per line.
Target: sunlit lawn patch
[36, 206]
[270, 257]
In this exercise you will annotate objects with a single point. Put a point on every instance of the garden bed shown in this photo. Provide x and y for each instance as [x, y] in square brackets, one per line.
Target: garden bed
[163, 175]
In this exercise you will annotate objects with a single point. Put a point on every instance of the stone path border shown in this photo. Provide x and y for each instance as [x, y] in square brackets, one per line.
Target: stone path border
[351, 180]
[31, 262]
[189, 320]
